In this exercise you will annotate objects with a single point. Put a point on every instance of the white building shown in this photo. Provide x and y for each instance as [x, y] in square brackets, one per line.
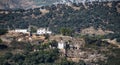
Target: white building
[21, 30]
[41, 31]
[61, 45]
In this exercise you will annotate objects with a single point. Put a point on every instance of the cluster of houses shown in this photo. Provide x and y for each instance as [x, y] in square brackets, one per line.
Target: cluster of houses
[39, 31]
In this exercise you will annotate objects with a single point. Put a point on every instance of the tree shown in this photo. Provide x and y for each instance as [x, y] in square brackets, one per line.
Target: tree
[46, 36]
[66, 31]
[8, 55]
[18, 58]
[33, 29]
[40, 57]
[2, 46]
[54, 43]
[0, 41]
[118, 39]
[64, 61]
[81, 62]
[3, 31]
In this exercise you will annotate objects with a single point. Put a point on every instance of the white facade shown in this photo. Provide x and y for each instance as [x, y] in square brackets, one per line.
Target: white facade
[43, 31]
[21, 30]
[61, 45]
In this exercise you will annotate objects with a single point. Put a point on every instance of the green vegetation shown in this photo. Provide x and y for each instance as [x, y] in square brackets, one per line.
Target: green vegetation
[3, 31]
[0, 41]
[64, 61]
[112, 53]
[33, 29]
[41, 57]
[65, 20]
[114, 59]
[54, 44]
[27, 47]
[118, 40]
[66, 31]
[28, 55]
[36, 58]
[65, 16]
[2, 46]
[46, 36]
[95, 42]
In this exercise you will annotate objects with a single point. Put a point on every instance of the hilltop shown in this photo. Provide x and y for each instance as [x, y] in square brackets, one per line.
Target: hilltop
[104, 15]
[28, 4]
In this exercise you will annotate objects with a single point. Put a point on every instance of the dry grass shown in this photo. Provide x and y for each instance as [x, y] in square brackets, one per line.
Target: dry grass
[44, 11]
[92, 30]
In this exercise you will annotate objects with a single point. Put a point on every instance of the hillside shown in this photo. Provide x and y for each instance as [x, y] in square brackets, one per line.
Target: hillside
[27, 4]
[81, 34]
[104, 15]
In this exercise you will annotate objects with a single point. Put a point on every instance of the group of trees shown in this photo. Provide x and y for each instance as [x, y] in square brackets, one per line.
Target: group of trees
[113, 36]
[61, 19]
[2, 46]
[67, 17]
[3, 31]
[44, 55]
[36, 58]
[95, 42]
[66, 31]
[0, 41]
[28, 56]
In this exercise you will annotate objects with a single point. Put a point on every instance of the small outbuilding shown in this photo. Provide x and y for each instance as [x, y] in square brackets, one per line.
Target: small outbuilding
[61, 45]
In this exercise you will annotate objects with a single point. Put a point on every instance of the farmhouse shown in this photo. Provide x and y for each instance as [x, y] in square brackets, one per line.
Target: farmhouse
[41, 31]
[21, 30]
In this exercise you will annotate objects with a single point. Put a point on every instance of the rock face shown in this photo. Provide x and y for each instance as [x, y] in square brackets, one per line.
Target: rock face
[13, 4]
[93, 31]
[26, 4]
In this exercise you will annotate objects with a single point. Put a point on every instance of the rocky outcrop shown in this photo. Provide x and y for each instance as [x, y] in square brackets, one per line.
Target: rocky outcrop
[26, 4]
[13, 4]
